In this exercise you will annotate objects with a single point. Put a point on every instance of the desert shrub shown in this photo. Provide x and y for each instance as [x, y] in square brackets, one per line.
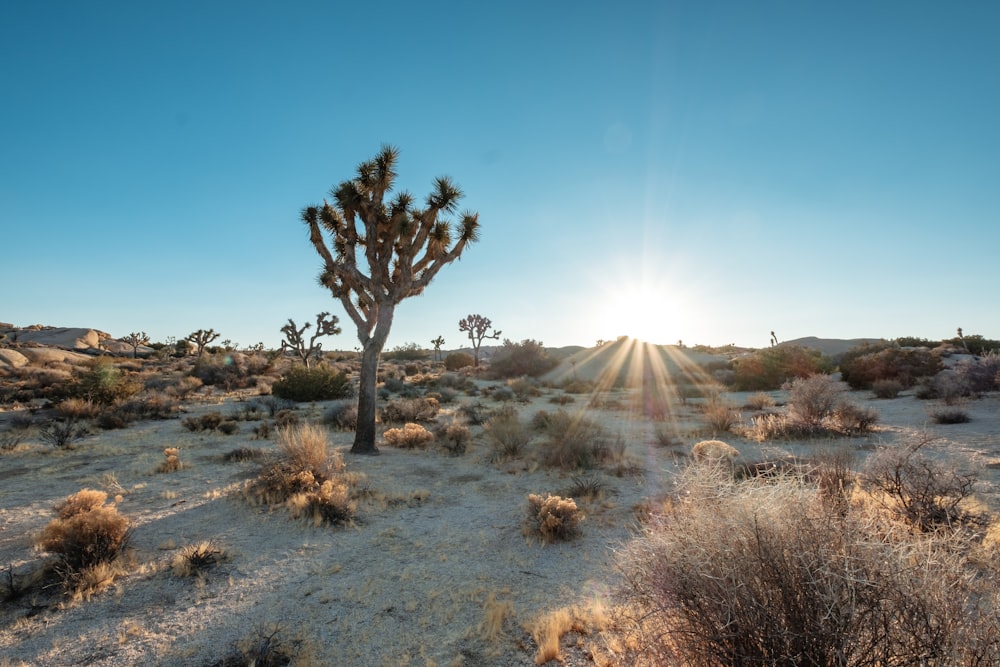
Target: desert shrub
[407, 352]
[183, 387]
[475, 414]
[194, 559]
[319, 383]
[950, 415]
[103, 383]
[578, 387]
[764, 574]
[455, 437]
[206, 422]
[85, 532]
[275, 404]
[527, 358]
[887, 388]
[62, 434]
[714, 452]
[979, 375]
[507, 435]
[443, 395]
[394, 385]
[833, 473]
[410, 410]
[720, 415]
[870, 362]
[553, 518]
[771, 367]
[975, 344]
[229, 427]
[267, 646]
[172, 462]
[458, 360]
[573, 442]
[147, 405]
[524, 388]
[926, 493]
[241, 454]
[852, 419]
[343, 416]
[502, 394]
[562, 399]
[813, 399]
[759, 401]
[78, 408]
[411, 436]
[307, 478]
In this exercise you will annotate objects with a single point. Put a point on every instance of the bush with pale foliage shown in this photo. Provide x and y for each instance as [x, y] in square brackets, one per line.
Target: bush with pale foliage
[411, 436]
[86, 532]
[553, 518]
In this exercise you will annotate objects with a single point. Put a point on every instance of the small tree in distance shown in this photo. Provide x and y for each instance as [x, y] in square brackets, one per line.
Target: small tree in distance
[437, 343]
[478, 328]
[135, 339]
[326, 325]
[201, 338]
[403, 245]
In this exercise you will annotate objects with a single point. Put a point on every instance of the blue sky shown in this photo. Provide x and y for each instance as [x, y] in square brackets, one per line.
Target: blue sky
[705, 172]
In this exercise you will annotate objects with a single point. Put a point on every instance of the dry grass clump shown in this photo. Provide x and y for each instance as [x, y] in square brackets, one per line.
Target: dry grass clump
[455, 437]
[720, 415]
[269, 646]
[78, 408]
[548, 629]
[88, 537]
[410, 410]
[759, 401]
[507, 436]
[194, 559]
[573, 442]
[714, 452]
[172, 462]
[763, 573]
[553, 518]
[816, 407]
[307, 478]
[411, 436]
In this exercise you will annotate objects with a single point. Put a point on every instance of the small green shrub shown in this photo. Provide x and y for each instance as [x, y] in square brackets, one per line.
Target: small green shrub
[104, 383]
[458, 360]
[527, 358]
[410, 410]
[320, 383]
[573, 442]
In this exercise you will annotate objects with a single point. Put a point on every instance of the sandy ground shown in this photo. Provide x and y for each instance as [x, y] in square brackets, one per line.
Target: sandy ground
[410, 583]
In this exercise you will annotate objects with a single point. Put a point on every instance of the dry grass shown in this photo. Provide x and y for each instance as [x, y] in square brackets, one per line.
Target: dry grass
[763, 573]
[194, 559]
[548, 629]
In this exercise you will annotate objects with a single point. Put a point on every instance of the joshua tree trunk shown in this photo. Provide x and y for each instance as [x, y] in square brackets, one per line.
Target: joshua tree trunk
[371, 350]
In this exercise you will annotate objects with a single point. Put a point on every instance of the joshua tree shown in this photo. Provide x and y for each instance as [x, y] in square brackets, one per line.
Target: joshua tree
[403, 246]
[478, 328]
[202, 338]
[437, 343]
[135, 339]
[326, 325]
[774, 339]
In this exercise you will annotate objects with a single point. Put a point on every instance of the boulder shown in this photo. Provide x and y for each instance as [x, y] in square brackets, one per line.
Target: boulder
[12, 359]
[65, 338]
[51, 355]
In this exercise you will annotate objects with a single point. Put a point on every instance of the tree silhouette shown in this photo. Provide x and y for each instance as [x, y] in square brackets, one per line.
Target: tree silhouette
[403, 245]
[326, 325]
[201, 338]
[437, 343]
[135, 339]
[477, 326]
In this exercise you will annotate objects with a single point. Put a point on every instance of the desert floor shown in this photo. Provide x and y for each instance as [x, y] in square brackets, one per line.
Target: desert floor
[435, 553]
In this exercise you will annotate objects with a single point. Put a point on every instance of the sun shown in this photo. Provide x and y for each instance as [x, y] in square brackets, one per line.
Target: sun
[650, 312]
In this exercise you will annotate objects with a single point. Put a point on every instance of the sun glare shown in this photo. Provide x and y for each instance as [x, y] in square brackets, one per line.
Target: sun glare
[646, 313]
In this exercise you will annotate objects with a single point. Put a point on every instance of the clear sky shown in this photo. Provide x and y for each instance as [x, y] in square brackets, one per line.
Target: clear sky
[697, 171]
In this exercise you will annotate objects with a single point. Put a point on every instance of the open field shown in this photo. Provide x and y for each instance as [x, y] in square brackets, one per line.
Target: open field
[436, 567]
